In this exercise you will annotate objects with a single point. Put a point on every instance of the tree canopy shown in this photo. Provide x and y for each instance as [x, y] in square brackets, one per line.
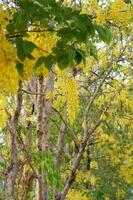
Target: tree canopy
[66, 96]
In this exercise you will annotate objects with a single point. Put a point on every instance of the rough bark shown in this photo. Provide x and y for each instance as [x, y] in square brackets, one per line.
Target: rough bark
[60, 142]
[60, 148]
[43, 107]
[12, 127]
[26, 173]
[26, 183]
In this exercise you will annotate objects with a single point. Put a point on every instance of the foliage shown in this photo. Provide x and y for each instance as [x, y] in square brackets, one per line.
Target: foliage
[66, 99]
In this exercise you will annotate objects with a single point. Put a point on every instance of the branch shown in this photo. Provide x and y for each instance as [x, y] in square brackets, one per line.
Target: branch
[65, 123]
[83, 144]
[18, 33]
[32, 93]
[72, 176]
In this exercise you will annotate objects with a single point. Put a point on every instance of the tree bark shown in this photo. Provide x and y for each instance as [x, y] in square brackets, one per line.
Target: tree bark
[43, 107]
[60, 142]
[12, 127]
[60, 149]
[26, 174]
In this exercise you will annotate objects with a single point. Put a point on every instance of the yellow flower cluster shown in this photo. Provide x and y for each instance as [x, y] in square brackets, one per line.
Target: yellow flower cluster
[72, 99]
[77, 195]
[8, 76]
[87, 177]
[67, 88]
[94, 165]
[45, 42]
[106, 198]
[126, 170]
[120, 13]
[102, 16]
[126, 100]
[81, 176]
[3, 115]
[93, 6]
[120, 194]
[93, 180]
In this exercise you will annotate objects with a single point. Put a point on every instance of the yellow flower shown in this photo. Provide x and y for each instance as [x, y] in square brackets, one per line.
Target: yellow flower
[120, 193]
[77, 195]
[3, 115]
[102, 16]
[93, 180]
[94, 165]
[67, 92]
[106, 198]
[119, 9]
[50, 95]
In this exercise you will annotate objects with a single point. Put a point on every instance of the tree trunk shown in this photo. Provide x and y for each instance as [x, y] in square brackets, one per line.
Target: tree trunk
[60, 148]
[26, 174]
[60, 142]
[44, 106]
[12, 127]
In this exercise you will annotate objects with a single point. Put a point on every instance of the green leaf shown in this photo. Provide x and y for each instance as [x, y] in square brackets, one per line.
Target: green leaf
[2, 164]
[28, 47]
[66, 34]
[91, 30]
[39, 62]
[82, 22]
[10, 28]
[20, 52]
[30, 56]
[93, 52]
[108, 36]
[20, 68]
[47, 61]
[71, 53]
[20, 21]
[81, 36]
[104, 34]
[80, 55]
[24, 49]
[63, 61]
